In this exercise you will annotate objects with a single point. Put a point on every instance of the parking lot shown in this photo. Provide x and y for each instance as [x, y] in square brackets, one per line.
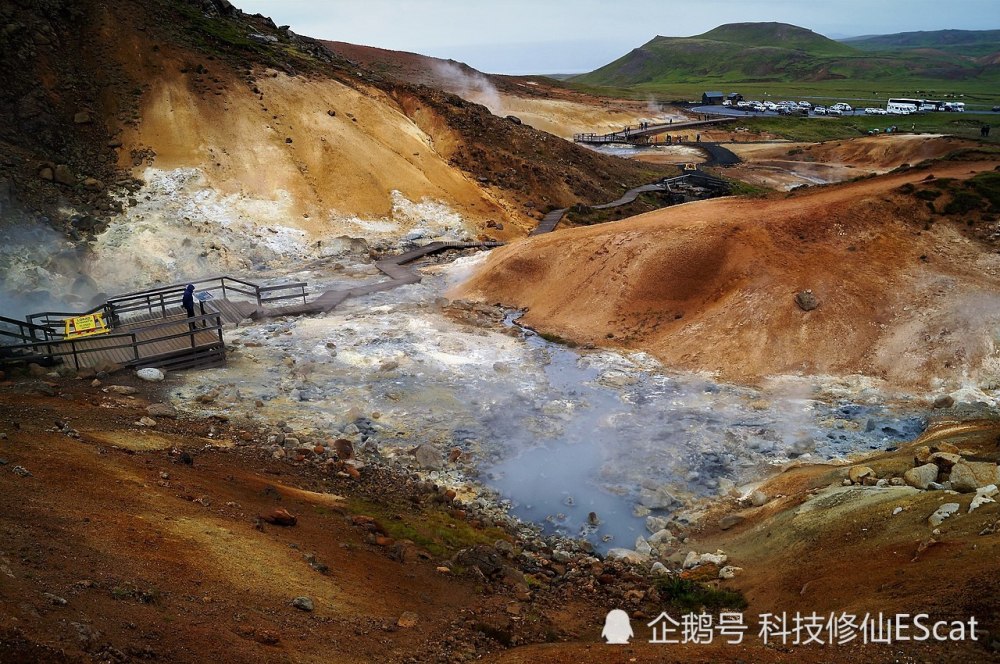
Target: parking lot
[732, 111]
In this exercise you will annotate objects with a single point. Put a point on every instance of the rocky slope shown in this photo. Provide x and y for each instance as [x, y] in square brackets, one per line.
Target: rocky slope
[896, 291]
[248, 144]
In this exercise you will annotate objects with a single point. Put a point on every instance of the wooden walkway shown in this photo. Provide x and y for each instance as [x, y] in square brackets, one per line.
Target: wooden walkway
[152, 330]
[552, 219]
[642, 136]
[145, 341]
[392, 267]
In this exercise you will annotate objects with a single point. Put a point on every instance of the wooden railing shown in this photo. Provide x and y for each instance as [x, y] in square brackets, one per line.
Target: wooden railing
[26, 331]
[75, 348]
[164, 298]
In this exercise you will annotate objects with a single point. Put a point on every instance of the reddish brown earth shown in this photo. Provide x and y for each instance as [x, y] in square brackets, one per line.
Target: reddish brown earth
[160, 560]
[700, 284]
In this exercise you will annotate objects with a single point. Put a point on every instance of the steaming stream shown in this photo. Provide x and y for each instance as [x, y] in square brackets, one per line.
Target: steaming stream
[556, 432]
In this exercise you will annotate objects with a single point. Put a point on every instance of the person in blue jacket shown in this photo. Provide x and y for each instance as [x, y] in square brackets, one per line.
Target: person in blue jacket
[187, 301]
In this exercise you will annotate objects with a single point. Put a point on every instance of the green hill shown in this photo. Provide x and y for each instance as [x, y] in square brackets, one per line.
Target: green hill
[969, 43]
[776, 52]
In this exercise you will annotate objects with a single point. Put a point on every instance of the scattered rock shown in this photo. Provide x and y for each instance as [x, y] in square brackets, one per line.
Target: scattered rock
[21, 471]
[942, 513]
[626, 555]
[303, 603]
[83, 117]
[121, 389]
[150, 374]
[946, 401]
[161, 410]
[656, 499]
[983, 495]
[659, 569]
[55, 600]
[343, 448]
[408, 620]
[758, 498]
[730, 520]
[806, 300]
[146, 422]
[729, 571]
[428, 457]
[858, 473]
[63, 175]
[280, 517]
[921, 476]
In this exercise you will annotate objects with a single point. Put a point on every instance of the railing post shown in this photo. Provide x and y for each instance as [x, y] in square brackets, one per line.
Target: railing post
[76, 359]
[135, 347]
[223, 280]
[163, 306]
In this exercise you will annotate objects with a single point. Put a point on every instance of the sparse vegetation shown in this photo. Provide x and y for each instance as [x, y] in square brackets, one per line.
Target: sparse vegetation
[693, 596]
[437, 531]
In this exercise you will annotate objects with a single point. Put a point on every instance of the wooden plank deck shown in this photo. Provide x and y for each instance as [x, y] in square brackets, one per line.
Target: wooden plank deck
[94, 351]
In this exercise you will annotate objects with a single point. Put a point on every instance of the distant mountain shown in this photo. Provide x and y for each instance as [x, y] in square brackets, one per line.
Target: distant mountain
[765, 52]
[970, 43]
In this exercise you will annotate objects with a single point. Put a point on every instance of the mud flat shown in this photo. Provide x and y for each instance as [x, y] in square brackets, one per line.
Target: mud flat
[555, 432]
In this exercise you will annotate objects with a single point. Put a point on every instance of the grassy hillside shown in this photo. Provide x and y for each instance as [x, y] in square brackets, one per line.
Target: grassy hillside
[778, 53]
[969, 43]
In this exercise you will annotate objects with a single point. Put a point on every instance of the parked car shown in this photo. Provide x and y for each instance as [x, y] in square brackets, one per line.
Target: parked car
[834, 111]
[843, 107]
[996, 109]
[819, 110]
[805, 104]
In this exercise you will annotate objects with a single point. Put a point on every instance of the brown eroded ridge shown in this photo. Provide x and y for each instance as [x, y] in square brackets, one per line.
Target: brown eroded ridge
[711, 285]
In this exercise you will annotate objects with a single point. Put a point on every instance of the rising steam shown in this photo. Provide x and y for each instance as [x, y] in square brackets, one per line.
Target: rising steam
[469, 85]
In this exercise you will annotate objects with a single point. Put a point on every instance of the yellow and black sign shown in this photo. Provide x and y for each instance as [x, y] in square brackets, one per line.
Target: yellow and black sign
[86, 326]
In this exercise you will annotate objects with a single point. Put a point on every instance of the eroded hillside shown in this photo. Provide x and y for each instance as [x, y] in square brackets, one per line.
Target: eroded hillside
[903, 293]
[248, 144]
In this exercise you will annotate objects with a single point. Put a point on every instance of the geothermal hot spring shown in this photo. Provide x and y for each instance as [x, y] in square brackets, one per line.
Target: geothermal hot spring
[554, 433]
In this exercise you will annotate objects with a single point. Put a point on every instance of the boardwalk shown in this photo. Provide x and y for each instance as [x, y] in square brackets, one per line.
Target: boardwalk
[166, 342]
[392, 267]
[641, 136]
[552, 219]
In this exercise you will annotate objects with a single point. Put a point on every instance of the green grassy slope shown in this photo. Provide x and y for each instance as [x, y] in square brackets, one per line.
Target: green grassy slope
[968, 43]
[776, 52]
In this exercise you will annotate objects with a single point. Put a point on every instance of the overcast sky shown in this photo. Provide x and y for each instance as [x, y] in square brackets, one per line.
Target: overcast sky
[568, 36]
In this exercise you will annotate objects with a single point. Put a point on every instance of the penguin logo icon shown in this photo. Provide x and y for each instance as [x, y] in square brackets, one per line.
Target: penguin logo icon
[617, 627]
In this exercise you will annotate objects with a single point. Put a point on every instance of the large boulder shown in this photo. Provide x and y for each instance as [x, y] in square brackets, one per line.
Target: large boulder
[921, 476]
[968, 476]
[656, 499]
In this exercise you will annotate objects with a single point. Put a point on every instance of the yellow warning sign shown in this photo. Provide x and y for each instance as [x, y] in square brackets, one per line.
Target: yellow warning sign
[86, 326]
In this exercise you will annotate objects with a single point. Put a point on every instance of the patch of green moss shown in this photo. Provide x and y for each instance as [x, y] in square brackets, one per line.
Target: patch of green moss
[434, 530]
[693, 596]
[987, 185]
[963, 202]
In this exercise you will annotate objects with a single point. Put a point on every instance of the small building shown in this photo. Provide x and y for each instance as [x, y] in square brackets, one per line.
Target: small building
[734, 97]
[713, 98]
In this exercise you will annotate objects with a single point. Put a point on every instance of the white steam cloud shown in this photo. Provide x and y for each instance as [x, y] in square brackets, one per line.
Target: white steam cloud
[471, 86]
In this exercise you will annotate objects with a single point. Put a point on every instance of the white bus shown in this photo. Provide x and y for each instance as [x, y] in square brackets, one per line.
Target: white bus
[903, 105]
